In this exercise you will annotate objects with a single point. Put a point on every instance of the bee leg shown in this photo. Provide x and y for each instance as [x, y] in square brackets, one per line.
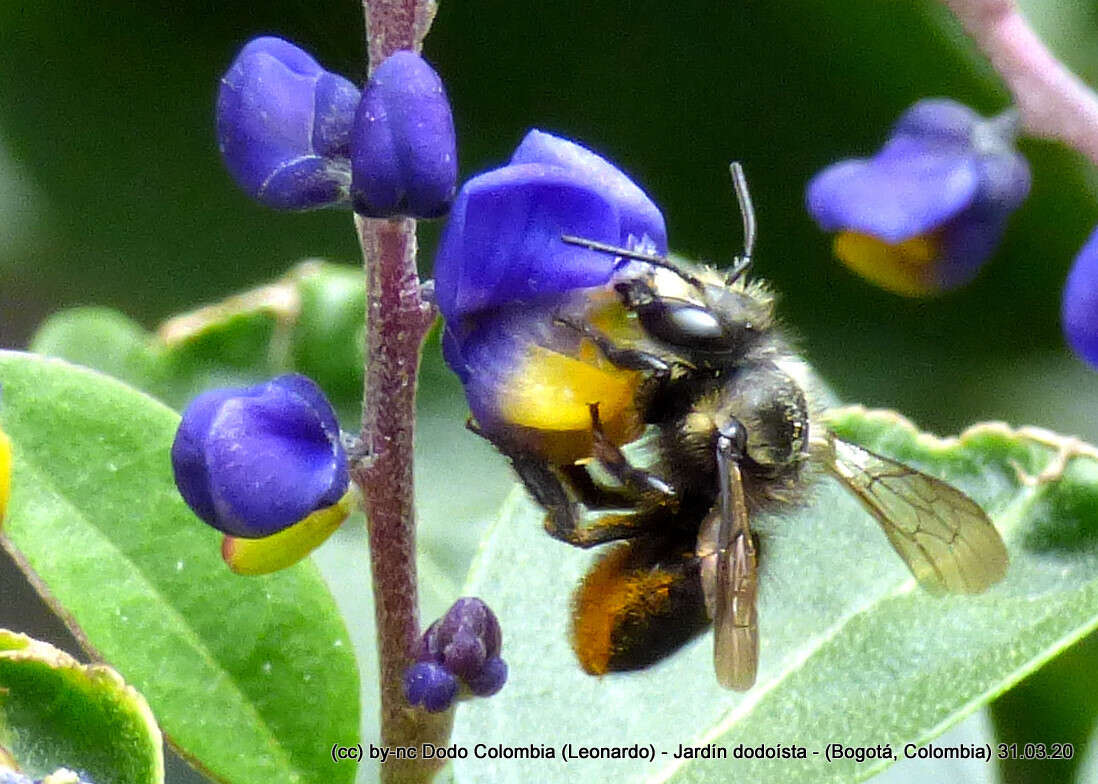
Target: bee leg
[563, 515]
[593, 495]
[624, 358]
[645, 484]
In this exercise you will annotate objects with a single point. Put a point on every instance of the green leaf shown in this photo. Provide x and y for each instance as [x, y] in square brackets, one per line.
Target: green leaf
[58, 713]
[851, 650]
[1055, 705]
[253, 678]
[310, 321]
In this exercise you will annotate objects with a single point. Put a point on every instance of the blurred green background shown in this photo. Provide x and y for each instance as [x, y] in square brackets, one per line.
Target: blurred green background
[112, 192]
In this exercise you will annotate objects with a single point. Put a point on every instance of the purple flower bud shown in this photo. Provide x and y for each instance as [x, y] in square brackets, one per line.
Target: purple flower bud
[430, 685]
[284, 126]
[925, 212]
[251, 462]
[464, 643]
[1079, 310]
[403, 149]
[502, 243]
[490, 679]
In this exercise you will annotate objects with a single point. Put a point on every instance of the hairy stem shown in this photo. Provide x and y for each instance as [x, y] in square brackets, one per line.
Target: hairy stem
[397, 320]
[1053, 102]
[396, 24]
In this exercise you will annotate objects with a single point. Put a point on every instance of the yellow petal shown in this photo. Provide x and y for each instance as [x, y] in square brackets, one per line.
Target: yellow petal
[903, 268]
[287, 547]
[551, 391]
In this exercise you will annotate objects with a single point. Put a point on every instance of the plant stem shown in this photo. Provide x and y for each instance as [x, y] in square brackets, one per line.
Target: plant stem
[1054, 103]
[396, 24]
[397, 321]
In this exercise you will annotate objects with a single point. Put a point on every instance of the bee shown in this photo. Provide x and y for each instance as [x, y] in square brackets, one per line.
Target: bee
[734, 422]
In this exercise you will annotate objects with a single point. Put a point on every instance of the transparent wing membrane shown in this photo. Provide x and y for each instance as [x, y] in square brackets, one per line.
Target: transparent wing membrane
[944, 537]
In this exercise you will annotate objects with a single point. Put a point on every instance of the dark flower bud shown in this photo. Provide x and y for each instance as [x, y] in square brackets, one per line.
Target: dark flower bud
[490, 679]
[431, 686]
[284, 126]
[465, 644]
[403, 148]
[251, 462]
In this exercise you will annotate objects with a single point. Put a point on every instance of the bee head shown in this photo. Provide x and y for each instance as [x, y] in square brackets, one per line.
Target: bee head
[706, 322]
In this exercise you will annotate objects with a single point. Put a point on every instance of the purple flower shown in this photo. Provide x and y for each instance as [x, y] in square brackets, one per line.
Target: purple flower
[252, 462]
[284, 126]
[503, 271]
[403, 149]
[502, 243]
[924, 213]
[1079, 311]
[458, 656]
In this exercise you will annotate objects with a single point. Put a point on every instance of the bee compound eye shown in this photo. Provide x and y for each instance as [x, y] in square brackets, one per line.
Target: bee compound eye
[683, 324]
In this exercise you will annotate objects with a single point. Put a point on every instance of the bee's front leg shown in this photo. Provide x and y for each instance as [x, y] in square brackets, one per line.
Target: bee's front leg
[620, 356]
[648, 487]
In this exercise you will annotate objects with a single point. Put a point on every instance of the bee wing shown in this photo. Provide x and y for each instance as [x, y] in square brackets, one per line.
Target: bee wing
[736, 623]
[944, 537]
[730, 580]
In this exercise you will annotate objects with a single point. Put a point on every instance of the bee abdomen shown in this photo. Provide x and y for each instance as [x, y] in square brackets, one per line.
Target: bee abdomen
[637, 604]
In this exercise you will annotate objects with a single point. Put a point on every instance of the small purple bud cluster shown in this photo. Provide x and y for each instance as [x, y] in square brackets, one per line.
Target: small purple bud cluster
[457, 657]
[295, 136]
[252, 462]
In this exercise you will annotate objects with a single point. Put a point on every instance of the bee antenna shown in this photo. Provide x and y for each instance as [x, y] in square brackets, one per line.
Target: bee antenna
[625, 253]
[747, 213]
[614, 250]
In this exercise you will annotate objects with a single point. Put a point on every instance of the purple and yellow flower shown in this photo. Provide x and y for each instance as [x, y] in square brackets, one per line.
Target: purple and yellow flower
[503, 272]
[457, 657]
[923, 214]
[1079, 309]
[284, 126]
[264, 465]
[403, 147]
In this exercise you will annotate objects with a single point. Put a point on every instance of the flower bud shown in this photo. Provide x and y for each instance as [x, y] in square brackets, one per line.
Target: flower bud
[251, 462]
[464, 645]
[284, 126]
[403, 148]
[925, 213]
[431, 686]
